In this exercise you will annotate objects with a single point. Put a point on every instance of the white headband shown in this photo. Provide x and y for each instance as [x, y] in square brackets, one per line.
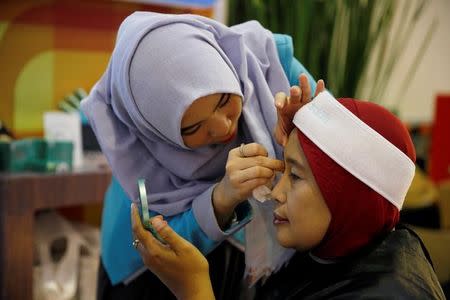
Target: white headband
[356, 147]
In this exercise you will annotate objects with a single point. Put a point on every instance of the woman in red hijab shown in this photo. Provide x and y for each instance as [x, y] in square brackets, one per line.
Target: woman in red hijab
[348, 166]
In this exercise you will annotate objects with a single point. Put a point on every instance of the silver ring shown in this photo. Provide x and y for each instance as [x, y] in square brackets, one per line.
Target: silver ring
[241, 150]
[136, 243]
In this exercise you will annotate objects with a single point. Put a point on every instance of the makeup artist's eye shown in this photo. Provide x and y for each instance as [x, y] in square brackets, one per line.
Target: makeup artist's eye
[224, 100]
[190, 130]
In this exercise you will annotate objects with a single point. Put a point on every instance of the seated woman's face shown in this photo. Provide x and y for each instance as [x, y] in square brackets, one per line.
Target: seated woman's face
[212, 119]
[302, 216]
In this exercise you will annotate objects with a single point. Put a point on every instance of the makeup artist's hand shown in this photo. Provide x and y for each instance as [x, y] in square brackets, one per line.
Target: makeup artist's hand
[288, 106]
[248, 167]
[179, 265]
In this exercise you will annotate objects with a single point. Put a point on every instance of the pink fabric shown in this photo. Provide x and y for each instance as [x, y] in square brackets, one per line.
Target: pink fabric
[359, 214]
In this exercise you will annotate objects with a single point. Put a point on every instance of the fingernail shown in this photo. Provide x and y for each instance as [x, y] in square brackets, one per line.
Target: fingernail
[158, 223]
[158, 217]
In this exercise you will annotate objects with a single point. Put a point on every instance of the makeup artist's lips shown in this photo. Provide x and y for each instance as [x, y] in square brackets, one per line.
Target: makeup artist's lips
[277, 219]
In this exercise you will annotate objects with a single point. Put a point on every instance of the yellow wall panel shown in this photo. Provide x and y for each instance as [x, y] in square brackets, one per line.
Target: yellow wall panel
[75, 69]
[3, 28]
[20, 44]
[33, 92]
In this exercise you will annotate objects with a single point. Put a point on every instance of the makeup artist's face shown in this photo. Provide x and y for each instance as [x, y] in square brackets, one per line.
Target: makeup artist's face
[302, 216]
[212, 119]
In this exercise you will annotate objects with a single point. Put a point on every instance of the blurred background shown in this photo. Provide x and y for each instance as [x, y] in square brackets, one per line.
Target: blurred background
[392, 52]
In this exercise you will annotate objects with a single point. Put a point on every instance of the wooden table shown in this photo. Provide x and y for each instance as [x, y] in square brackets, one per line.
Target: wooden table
[21, 195]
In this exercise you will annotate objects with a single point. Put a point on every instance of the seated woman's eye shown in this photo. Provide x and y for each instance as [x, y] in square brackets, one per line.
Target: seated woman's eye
[294, 177]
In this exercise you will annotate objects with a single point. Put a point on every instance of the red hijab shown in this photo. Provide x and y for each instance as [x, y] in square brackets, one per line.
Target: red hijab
[358, 213]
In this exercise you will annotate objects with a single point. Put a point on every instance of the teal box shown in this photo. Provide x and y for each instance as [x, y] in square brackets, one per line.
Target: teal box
[59, 155]
[15, 155]
[35, 154]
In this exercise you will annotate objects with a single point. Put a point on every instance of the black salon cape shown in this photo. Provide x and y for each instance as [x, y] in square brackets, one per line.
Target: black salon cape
[396, 266]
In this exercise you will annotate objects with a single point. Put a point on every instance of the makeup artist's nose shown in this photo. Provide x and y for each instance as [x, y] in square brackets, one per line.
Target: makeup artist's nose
[219, 124]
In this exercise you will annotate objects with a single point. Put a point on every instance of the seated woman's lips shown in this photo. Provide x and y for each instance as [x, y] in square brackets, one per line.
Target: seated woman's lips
[277, 219]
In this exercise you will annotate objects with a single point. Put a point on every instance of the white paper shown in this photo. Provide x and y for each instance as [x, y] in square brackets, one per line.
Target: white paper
[62, 126]
[263, 253]
[262, 193]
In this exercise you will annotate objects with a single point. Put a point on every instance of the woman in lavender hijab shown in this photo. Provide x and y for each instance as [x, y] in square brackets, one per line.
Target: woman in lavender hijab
[188, 104]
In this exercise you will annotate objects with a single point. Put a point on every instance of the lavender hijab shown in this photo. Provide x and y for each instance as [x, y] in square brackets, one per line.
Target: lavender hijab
[159, 66]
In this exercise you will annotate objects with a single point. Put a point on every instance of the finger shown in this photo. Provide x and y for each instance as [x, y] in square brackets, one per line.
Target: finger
[306, 88]
[320, 87]
[279, 134]
[295, 94]
[253, 173]
[175, 242]
[139, 231]
[249, 150]
[146, 239]
[252, 184]
[280, 100]
[261, 161]
[158, 217]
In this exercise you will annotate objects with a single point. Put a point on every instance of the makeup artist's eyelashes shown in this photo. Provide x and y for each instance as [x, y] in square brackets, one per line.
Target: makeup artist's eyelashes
[190, 130]
[224, 100]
